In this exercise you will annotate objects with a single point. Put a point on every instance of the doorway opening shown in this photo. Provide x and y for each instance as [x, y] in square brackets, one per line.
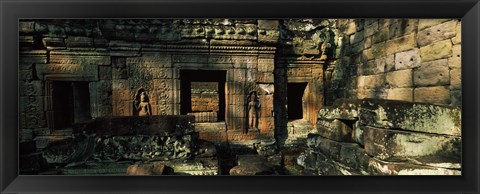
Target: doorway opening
[295, 93]
[202, 93]
[70, 103]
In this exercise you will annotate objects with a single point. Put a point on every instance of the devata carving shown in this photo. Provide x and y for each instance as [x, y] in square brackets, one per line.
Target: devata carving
[253, 110]
[142, 103]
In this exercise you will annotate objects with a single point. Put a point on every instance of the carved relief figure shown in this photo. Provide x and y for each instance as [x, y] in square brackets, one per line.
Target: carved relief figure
[253, 109]
[142, 103]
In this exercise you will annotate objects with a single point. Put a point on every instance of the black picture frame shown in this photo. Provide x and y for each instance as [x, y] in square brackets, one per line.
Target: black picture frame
[467, 10]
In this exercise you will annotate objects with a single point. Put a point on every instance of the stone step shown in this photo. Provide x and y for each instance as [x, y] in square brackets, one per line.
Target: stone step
[394, 145]
[411, 116]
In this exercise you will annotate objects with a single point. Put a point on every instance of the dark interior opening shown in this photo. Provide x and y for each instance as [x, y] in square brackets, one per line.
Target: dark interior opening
[189, 76]
[70, 103]
[294, 100]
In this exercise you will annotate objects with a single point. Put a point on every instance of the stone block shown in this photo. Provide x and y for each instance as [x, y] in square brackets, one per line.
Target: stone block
[268, 24]
[338, 113]
[456, 97]
[371, 81]
[379, 167]
[357, 37]
[456, 60]
[425, 23]
[79, 42]
[405, 94]
[376, 51]
[401, 27]
[265, 77]
[436, 33]
[54, 43]
[371, 67]
[336, 129]
[403, 43]
[397, 145]
[436, 95]
[408, 59]
[371, 93]
[438, 50]
[358, 133]
[371, 29]
[421, 117]
[325, 146]
[458, 38]
[350, 28]
[26, 27]
[432, 73]
[381, 35]
[400, 79]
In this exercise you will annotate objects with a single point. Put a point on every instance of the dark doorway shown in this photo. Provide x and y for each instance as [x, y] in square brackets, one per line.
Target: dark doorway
[70, 103]
[195, 76]
[295, 93]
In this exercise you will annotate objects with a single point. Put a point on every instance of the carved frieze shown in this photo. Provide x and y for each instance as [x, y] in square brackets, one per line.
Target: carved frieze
[150, 60]
[74, 69]
[80, 60]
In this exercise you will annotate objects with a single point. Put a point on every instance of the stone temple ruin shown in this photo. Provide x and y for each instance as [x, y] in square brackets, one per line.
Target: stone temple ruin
[240, 96]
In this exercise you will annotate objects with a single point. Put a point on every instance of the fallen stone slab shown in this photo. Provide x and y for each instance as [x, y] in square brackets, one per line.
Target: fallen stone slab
[379, 167]
[346, 109]
[335, 129]
[195, 166]
[148, 169]
[396, 145]
[252, 169]
[411, 116]
[349, 154]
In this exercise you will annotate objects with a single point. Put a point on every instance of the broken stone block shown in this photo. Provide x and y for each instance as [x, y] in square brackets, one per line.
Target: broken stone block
[338, 113]
[79, 148]
[204, 149]
[335, 129]
[147, 169]
[252, 169]
[396, 145]
[358, 133]
[379, 167]
[411, 116]
[195, 166]
[252, 165]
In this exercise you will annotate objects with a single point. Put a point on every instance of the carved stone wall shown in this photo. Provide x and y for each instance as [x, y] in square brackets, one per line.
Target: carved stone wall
[119, 58]
[403, 59]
